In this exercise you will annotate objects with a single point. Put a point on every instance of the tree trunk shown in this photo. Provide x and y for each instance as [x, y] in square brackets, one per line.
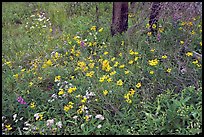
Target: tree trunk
[119, 17]
[154, 16]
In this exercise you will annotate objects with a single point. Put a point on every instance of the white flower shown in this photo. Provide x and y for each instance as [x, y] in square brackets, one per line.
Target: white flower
[14, 117]
[54, 96]
[25, 128]
[99, 126]
[50, 122]
[99, 116]
[75, 117]
[36, 116]
[59, 124]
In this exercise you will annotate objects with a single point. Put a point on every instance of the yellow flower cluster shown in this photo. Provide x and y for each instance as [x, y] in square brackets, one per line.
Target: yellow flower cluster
[189, 54]
[129, 95]
[47, 64]
[105, 92]
[105, 77]
[80, 110]
[106, 66]
[90, 74]
[119, 82]
[153, 62]
[72, 89]
[68, 107]
[82, 66]
[57, 78]
[61, 92]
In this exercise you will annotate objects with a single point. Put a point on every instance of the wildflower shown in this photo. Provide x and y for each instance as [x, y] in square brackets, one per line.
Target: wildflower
[68, 107]
[193, 32]
[75, 117]
[161, 30]
[91, 65]
[151, 72]
[154, 26]
[180, 28]
[131, 92]
[59, 124]
[57, 78]
[38, 116]
[152, 50]
[72, 89]
[99, 126]
[181, 42]
[61, 92]
[32, 104]
[90, 74]
[130, 62]
[105, 53]
[21, 100]
[8, 127]
[164, 56]
[190, 24]
[101, 79]
[136, 58]
[93, 28]
[120, 82]
[109, 79]
[40, 78]
[105, 65]
[122, 66]
[14, 117]
[195, 62]
[128, 101]
[83, 100]
[113, 73]
[127, 72]
[99, 116]
[86, 118]
[16, 76]
[122, 43]
[189, 54]
[149, 33]
[50, 122]
[153, 62]
[120, 54]
[105, 92]
[22, 70]
[100, 30]
[116, 64]
[147, 25]
[138, 85]
[201, 43]
[8, 63]
[168, 70]
[183, 23]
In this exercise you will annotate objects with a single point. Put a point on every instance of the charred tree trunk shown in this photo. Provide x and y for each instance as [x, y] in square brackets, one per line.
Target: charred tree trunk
[119, 18]
[154, 16]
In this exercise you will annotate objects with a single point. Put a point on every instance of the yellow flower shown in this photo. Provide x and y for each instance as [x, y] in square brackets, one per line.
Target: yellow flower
[201, 43]
[138, 85]
[105, 53]
[180, 28]
[120, 54]
[40, 117]
[131, 52]
[105, 92]
[49, 62]
[195, 62]
[32, 104]
[127, 72]
[193, 32]
[168, 70]
[93, 28]
[151, 72]
[68, 107]
[122, 43]
[120, 82]
[189, 54]
[130, 62]
[136, 58]
[122, 66]
[181, 42]
[83, 100]
[100, 30]
[71, 89]
[153, 62]
[61, 92]
[90, 74]
[86, 118]
[131, 92]
[101, 79]
[152, 50]
[113, 59]
[164, 56]
[116, 64]
[154, 26]
[57, 78]
[183, 23]
[22, 70]
[161, 30]
[40, 78]
[109, 79]
[30, 84]
[8, 127]
[147, 25]
[16, 76]
[149, 33]
[190, 24]
[113, 73]
[129, 101]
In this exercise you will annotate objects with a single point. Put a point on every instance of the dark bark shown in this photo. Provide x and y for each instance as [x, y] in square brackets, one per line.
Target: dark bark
[97, 16]
[154, 16]
[119, 18]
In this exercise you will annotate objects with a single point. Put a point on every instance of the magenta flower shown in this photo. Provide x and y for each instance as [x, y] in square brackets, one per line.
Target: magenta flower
[21, 100]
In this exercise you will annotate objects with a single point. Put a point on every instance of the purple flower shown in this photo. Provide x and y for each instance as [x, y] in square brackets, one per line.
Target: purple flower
[21, 100]
[82, 44]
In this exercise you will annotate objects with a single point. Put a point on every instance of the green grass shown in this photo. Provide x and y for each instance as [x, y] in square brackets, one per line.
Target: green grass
[36, 50]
